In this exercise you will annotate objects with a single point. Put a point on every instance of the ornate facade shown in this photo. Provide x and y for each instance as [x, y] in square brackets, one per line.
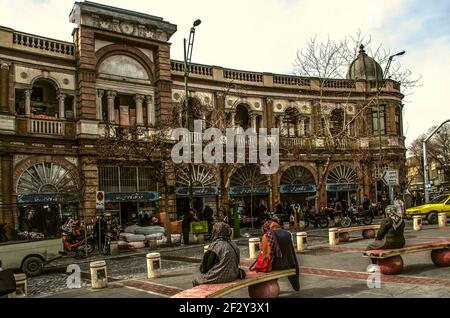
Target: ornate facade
[55, 98]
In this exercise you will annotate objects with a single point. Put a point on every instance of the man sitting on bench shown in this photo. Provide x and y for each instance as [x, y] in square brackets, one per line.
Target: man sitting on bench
[391, 233]
[221, 261]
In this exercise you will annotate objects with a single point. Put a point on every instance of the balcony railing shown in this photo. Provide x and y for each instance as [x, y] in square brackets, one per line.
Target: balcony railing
[40, 43]
[46, 127]
[291, 80]
[243, 76]
[196, 69]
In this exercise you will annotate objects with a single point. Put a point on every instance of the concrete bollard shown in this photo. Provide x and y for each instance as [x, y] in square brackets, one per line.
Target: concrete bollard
[205, 248]
[21, 286]
[99, 277]
[417, 223]
[232, 234]
[153, 265]
[253, 247]
[301, 241]
[442, 218]
[333, 236]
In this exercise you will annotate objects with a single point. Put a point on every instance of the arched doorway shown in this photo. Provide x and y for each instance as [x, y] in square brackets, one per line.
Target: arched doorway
[297, 185]
[343, 185]
[49, 193]
[249, 187]
[204, 189]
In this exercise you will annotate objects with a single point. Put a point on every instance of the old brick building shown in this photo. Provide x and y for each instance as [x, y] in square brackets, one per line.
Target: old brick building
[55, 98]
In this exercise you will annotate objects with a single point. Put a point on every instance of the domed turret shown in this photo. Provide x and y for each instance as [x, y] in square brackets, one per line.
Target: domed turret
[364, 67]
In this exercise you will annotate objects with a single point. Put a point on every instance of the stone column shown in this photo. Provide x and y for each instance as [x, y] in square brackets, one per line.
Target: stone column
[99, 99]
[139, 113]
[253, 121]
[151, 117]
[61, 98]
[89, 171]
[281, 121]
[268, 110]
[233, 114]
[300, 127]
[111, 95]
[4, 87]
[6, 186]
[74, 107]
[28, 102]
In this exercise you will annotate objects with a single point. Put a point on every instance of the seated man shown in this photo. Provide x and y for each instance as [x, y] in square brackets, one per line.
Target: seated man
[391, 232]
[221, 261]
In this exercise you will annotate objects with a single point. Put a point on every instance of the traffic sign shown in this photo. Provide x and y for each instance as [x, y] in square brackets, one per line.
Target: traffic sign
[390, 177]
[100, 200]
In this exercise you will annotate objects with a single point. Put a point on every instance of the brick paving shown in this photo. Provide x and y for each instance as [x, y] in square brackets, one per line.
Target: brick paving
[325, 272]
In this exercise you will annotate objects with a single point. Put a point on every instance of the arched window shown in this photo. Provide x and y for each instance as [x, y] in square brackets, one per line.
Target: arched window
[336, 121]
[291, 122]
[44, 101]
[242, 117]
[46, 177]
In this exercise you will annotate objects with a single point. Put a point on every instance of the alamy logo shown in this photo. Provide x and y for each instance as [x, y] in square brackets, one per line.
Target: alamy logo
[74, 279]
[258, 146]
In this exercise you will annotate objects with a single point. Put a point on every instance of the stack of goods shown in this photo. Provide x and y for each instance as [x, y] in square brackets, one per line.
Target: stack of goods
[130, 240]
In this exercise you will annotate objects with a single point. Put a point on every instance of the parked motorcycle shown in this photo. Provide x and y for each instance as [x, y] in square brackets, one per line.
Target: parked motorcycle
[75, 240]
[353, 215]
[320, 219]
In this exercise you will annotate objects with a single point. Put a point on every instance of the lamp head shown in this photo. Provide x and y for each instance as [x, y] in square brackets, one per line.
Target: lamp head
[399, 53]
[197, 22]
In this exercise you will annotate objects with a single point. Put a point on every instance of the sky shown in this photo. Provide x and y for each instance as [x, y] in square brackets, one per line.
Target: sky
[264, 35]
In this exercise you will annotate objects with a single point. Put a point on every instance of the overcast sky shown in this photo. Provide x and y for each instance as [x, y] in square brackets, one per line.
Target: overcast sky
[264, 35]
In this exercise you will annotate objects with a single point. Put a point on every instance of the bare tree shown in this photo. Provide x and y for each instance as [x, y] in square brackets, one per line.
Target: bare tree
[328, 61]
[438, 150]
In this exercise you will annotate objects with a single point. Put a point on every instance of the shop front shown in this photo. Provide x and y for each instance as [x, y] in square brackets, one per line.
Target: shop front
[127, 206]
[130, 192]
[343, 185]
[250, 190]
[297, 185]
[204, 190]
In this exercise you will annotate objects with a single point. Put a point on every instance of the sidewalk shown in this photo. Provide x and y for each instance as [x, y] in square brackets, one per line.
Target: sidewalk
[325, 272]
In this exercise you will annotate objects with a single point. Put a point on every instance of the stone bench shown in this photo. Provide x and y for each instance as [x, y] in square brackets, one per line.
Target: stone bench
[337, 235]
[391, 263]
[260, 285]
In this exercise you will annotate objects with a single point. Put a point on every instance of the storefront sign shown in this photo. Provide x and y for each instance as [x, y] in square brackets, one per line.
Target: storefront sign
[48, 198]
[249, 190]
[131, 196]
[184, 191]
[298, 188]
[338, 187]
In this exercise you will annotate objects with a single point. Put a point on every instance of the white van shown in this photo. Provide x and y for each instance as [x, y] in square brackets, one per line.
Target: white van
[30, 256]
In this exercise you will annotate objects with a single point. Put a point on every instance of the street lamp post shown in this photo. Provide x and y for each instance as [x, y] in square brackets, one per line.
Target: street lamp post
[187, 61]
[385, 73]
[425, 163]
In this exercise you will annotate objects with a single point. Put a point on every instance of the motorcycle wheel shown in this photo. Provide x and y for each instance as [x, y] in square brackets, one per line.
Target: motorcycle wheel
[323, 223]
[368, 219]
[346, 222]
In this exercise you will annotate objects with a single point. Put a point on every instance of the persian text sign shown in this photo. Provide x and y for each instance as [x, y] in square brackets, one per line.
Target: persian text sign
[299, 188]
[131, 196]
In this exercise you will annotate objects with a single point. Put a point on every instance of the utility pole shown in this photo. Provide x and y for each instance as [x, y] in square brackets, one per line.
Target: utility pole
[187, 61]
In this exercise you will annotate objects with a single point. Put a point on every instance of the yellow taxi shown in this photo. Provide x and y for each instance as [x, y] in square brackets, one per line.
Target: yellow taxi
[430, 210]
